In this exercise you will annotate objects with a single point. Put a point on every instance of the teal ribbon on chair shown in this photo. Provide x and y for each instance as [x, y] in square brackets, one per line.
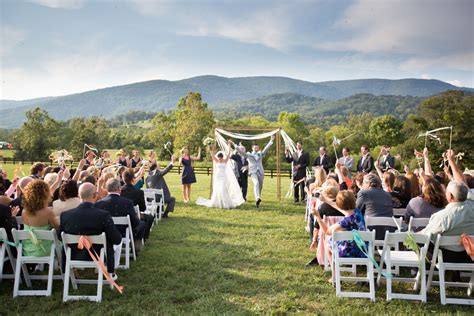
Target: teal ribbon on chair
[363, 247]
[8, 242]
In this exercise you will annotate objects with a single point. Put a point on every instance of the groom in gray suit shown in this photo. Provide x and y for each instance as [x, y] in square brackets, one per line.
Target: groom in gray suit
[256, 171]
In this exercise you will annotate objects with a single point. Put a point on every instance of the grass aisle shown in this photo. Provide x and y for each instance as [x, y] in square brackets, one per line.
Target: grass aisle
[209, 261]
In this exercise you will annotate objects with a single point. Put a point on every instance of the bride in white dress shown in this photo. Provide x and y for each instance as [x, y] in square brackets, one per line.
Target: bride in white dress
[226, 192]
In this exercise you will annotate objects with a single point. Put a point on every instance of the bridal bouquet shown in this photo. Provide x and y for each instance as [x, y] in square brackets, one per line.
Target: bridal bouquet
[209, 141]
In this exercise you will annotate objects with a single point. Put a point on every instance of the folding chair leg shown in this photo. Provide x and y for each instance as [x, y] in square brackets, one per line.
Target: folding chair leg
[442, 285]
[67, 274]
[388, 280]
[370, 275]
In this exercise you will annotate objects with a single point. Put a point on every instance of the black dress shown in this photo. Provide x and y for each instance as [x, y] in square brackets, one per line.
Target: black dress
[188, 175]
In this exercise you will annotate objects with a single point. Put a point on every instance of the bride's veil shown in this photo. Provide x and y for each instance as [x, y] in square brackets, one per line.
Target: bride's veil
[233, 185]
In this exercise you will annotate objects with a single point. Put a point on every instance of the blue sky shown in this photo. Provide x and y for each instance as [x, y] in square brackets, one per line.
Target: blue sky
[57, 47]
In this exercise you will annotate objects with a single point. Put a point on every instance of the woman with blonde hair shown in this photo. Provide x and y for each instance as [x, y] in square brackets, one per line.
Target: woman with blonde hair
[188, 177]
[37, 215]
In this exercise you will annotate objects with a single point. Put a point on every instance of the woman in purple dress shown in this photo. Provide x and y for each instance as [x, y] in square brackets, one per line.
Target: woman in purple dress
[188, 177]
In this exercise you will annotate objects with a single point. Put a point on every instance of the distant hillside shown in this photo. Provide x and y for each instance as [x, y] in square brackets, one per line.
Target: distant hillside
[319, 111]
[156, 95]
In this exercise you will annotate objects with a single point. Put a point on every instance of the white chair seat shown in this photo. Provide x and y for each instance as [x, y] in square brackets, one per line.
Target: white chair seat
[399, 257]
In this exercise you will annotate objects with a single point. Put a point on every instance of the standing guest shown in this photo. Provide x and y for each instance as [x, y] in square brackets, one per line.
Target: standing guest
[366, 162]
[322, 160]
[106, 160]
[347, 160]
[37, 170]
[137, 196]
[152, 157]
[300, 160]
[386, 161]
[242, 168]
[431, 200]
[90, 158]
[89, 220]
[68, 198]
[136, 159]
[188, 177]
[119, 206]
[37, 216]
[156, 180]
[455, 219]
[122, 158]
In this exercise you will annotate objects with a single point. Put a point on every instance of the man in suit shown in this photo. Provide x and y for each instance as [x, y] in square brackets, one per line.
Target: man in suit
[366, 162]
[156, 180]
[300, 160]
[256, 170]
[322, 160]
[89, 220]
[373, 201]
[241, 169]
[119, 206]
[386, 161]
[346, 160]
[137, 196]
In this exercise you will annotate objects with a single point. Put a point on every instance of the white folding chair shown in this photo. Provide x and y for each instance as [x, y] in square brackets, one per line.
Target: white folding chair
[340, 261]
[154, 204]
[52, 260]
[329, 220]
[417, 223]
[127, 241]
[5, 255]
[407, 258]
[19, 221]
[399, 212]
[81, 264]
[442, 266]
[383, 221]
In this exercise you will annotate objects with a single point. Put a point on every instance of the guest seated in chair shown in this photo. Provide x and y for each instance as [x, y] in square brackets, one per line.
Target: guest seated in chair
[37, 216]
[86, 219]
[455, 219]
[119, 206]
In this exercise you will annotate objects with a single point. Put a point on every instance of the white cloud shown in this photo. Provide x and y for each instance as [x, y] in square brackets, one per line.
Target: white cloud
[457, 61]
[152, 8]
[456, 83]
[264, 28]
[425, 76]
[61, 4]
[407, 26]
[9, 38]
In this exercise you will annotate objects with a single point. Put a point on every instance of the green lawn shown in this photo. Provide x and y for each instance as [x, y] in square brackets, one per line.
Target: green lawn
[209, 261]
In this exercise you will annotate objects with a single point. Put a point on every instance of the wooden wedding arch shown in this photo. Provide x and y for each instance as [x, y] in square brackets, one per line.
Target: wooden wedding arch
[240, 129]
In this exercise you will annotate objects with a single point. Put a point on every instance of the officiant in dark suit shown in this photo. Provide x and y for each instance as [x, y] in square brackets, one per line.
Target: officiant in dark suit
[241, 170]
[322, 160]
[300, 160]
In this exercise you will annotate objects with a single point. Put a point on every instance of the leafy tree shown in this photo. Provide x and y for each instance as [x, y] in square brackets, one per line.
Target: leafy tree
[386, 130]
[38, 136]
[92, 131]
[194, 121]
[164, 126]
[292, 124]
[452, 108]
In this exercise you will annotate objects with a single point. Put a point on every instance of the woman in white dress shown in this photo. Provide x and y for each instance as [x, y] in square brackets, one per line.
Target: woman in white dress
[226, 192]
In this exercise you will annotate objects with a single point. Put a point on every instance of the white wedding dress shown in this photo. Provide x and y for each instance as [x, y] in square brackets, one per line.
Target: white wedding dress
[226, 192]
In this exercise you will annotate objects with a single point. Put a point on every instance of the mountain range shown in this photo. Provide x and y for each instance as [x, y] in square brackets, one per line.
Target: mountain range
[219, 92]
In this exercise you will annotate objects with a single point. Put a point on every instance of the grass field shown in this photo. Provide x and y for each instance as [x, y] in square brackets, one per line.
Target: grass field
[208, 261]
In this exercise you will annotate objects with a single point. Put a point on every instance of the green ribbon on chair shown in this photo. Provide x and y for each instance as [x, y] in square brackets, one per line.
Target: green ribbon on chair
[363, 247]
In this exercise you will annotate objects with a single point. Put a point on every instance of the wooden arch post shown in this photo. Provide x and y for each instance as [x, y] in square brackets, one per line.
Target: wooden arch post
[277, 149]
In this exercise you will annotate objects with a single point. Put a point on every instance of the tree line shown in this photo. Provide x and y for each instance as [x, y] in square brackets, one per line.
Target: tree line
[192, 121]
